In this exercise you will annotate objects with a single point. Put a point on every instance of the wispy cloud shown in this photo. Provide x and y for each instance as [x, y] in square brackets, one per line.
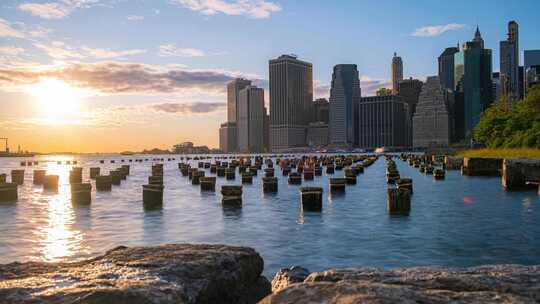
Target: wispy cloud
[60, 50]
[251, 8]
[56, 9]
[370, 85]
[6, 30]
[170, 50]
[436, 30]
[135, 18]
[180, 108]
[10, 50]
[112, 77]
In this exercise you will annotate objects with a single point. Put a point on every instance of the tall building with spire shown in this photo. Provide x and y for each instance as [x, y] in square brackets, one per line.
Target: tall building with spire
[345, 95]
[474, 86]
[397, 73]
[509, 62]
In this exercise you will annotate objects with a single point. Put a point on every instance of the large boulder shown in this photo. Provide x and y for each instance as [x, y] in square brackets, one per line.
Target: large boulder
[164, 274]
[485, 284]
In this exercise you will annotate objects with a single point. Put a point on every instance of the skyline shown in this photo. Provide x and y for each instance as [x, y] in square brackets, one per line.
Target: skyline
[168, 84]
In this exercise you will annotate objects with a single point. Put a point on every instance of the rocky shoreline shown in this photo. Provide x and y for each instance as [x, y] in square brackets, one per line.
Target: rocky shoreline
[185, 273]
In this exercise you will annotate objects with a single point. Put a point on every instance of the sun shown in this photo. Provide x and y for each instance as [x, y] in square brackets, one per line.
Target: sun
[56, 99]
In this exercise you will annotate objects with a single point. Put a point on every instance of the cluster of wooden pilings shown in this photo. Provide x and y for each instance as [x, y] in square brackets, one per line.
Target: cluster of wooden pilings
[400, 189]
[295, 168]
[80, 191]
[428, 165]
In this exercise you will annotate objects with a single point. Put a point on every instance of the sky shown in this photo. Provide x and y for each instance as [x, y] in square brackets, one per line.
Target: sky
[117, 75]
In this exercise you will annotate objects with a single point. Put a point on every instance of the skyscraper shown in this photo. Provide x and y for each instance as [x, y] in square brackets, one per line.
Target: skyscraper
[509, 62]
[397, 72]
[473, 74]
[233, 88]
[446, 68]
[321, 112]
[531, 68]
[431, 122]
[345, 95]
[383, 122]
[291, 99]
[250, 124]
[409, 91]
[227, 137]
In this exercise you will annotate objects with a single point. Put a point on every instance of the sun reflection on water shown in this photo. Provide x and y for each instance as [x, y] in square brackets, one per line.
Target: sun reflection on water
[58, 238]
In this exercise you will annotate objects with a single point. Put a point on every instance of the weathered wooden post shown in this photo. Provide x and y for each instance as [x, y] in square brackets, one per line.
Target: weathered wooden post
[269, 172]
[38, 177]
[405, 183]
[3, 178]
[116, 177]
[17, 177]
[337, 184]
[230, 174]
[247, 178]
[208, 183]
[350, 176]
[104, 183]
[8, 193]
[195, 180]
[399, 201]
[75, 176]
[270, 184]
[81, 193]
[50, 183]
[221, 171]
[309, 174]
[438, 174]
[232, 196]
[330, 169]
[94, 172]
[155, 180]
[152, 195]
[311, 198]
[295, 178]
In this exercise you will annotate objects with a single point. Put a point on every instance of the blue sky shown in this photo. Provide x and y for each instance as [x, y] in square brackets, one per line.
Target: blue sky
[181, 52]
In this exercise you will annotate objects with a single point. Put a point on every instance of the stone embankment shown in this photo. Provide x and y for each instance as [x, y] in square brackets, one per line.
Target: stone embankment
[224, 274]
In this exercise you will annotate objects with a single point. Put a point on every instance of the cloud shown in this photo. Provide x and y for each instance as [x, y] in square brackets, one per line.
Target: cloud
[436, 30]
[370, 85]
[45, 10]
[188, 108]
[6, 30]
[56, 9]
[134, 18]
[60, 50]
[170, 50]
[10, 50]
[112, 77]
[251, 8]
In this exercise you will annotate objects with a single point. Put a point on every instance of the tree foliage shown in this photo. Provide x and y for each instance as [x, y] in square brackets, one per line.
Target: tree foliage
[518, 127]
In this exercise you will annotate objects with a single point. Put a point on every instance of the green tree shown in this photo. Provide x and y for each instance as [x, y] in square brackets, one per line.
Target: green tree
[518, 127]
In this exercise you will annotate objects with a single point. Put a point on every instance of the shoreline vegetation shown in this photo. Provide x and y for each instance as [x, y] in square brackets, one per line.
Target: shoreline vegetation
[501, 153]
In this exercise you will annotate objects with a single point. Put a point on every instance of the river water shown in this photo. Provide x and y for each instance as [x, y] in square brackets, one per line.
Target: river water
[459, 221]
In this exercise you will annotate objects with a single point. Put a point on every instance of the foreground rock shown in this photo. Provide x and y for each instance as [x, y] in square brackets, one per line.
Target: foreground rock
[486, 284]
[162, 274]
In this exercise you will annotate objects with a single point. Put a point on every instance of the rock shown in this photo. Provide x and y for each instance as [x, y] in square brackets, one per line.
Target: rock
[287, 276]
[164, 274]
[484, 284]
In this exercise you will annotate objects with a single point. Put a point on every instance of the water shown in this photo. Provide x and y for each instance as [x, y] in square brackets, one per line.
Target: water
[460, 221]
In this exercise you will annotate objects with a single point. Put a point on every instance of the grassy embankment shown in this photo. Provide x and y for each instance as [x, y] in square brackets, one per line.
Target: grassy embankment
[501, 153]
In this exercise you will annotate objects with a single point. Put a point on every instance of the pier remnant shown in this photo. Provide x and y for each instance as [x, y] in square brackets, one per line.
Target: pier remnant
[311, 198]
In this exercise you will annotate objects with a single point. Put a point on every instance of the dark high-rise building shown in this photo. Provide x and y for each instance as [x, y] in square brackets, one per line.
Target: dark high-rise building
[509, 62]
[473, 73]
[446, 67]
[291, 99]
[321, 111]
[383, 122]
[531, 69]
[397, 72]
[266, 138]
[409, 91]
[345, 95]
[233, 88]
[250, 123]
[227, 137]
[497, 88]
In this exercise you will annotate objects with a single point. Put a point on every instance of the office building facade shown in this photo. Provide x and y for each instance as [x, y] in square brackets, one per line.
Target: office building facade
[431, 121]
[384, 121]
[345, 95]
[251, 119]
[227, 137]
[531, 68]
[509, 63]
[291, 101]
[446, 67]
